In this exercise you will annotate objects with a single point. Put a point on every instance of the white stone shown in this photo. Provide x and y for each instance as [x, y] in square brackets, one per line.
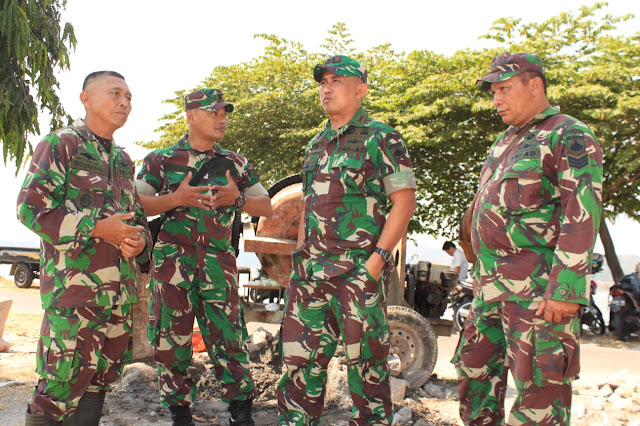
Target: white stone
[398, 389]
[434, 391]
[417, 378]
[598, 403]
[450, 393]
[626, 390]
[260, 338]
[605, 391]
[619, 378]
[579, 410]
[620, 403]
[395, 365]
[139, 372]
[402, 416]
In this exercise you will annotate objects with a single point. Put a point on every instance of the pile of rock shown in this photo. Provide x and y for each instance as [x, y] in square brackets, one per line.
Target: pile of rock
[615, 401]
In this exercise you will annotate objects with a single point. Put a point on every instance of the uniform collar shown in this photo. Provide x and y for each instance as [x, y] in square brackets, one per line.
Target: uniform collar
[82, 129]
[358, 120]
[540, 117]
[183, 143]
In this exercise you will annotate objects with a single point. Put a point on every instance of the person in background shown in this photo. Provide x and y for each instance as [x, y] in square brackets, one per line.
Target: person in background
[459, 262]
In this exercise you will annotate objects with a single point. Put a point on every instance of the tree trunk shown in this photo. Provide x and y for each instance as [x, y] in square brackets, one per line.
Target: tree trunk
[610, 251]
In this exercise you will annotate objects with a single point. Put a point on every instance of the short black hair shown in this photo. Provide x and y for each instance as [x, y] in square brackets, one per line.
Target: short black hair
[527, 76]
[98, 74]
[447, 245]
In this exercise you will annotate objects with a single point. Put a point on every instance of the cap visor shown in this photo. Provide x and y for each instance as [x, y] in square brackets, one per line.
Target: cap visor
[219, 105]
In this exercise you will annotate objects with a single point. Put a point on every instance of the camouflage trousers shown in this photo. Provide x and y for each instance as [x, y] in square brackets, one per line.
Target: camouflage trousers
[80, 349]
[543, 357]
[171, 316]
[353, 307]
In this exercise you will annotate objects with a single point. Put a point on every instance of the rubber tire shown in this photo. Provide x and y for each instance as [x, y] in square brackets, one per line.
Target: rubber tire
[458, 321]
[619, 325]
[597, 325]
[412, 340]
[23, 275]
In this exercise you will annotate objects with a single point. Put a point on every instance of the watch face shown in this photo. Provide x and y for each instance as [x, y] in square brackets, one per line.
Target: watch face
[386, 254]
[240, 201]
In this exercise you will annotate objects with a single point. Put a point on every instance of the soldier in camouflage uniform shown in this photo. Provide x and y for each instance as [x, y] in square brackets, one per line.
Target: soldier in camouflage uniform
[194, 265]
[79, 197]
[338, 285]
[534, 225]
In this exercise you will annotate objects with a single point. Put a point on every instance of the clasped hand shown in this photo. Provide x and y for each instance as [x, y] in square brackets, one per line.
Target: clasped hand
[130, 239]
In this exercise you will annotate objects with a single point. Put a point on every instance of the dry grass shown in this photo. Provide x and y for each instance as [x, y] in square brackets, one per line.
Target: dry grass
[24, 325]
[8, 284]
[22, 331]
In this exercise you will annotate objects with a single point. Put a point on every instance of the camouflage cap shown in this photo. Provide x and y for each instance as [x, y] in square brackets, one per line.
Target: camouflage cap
[207, 99]
[341, 65]
[507, 65]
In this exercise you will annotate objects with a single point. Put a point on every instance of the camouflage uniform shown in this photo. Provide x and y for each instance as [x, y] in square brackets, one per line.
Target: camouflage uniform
[347, 177]
[533, 230]
[194, 274]
[86, 286]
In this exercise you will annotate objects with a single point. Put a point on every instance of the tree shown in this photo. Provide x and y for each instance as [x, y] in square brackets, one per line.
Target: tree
[448, 124]
[32, 46]
[276, 108]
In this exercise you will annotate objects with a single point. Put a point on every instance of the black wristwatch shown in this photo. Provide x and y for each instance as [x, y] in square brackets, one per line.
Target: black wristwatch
[240, 201]
[386, 254]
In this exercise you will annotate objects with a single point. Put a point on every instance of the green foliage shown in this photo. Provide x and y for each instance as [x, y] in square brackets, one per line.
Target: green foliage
[32, 46]
[593, 75]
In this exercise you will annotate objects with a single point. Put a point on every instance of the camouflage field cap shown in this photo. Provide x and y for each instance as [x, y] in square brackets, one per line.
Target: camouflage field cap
[507, 65]
[341, 65]
[207, 99]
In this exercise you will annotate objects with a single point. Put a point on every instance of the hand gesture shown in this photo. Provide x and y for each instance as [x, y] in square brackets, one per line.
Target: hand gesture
[193, 196]
[225, 195]
[555, 310]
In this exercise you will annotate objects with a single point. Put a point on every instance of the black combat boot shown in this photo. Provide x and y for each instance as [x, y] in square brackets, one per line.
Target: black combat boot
[35, 420]
[88, 412]
[241, 413]
[181, 415]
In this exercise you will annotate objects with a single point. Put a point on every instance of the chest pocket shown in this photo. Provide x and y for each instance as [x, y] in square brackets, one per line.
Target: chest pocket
[522, 190]
[173, 175]
[88, 184]
[308, 168]
[350, 170]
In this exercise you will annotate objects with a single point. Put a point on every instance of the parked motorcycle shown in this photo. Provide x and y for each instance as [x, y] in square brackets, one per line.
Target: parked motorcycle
[461, 299]
[591, 315]
[624, 306]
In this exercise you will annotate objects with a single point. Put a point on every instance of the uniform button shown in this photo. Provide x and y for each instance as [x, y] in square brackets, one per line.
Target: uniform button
[68, 254]
[563, 292]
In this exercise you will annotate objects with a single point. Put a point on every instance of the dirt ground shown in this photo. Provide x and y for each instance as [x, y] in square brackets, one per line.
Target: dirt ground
[134, 400]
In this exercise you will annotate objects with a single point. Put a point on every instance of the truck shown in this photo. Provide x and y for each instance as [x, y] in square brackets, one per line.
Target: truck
[25, 264]
[417, 296]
